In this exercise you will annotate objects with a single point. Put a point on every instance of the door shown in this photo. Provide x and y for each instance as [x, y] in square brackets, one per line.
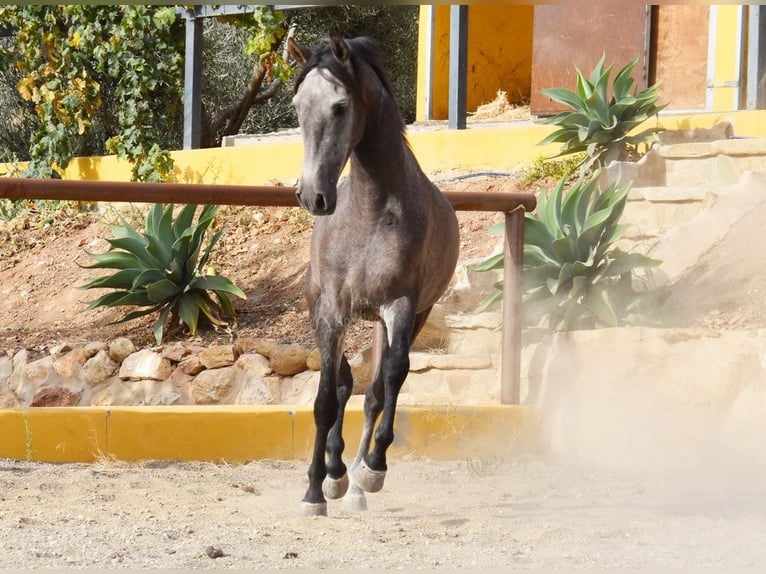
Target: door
[566, 36]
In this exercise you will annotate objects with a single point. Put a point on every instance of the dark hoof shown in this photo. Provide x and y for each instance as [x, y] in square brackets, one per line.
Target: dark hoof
[334, 488]
[367, 479]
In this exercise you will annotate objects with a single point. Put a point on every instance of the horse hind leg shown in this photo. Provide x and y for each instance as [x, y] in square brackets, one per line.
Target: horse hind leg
[354, 500]
[336, 483]
[403, 326]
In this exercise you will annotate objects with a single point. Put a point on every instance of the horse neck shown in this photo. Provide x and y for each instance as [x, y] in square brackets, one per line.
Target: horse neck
[382, 157]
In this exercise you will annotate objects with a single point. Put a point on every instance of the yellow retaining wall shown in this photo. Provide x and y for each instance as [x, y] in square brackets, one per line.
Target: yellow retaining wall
[503, 146]
[237, 434]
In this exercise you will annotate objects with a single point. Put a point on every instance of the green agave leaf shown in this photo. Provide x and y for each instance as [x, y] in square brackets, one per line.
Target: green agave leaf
[623, 262]
[584, 87]
[495, 295]
[159, 232]
[623, 81]
[123, 279]
[162, 290]
[598, 302]
[598, 70]
[565, 97]
[225, 302]
[497, 229]
[562, 135]
[532, 277]
[536, 233]
[138, 247]
[534, 255]
[490, 264]
[146, 277]
[216, 283]
[106, 300]
[159, 324]
[112, 260]
[206, 255]
[136, 314]
[137, 298]
[184, 220]
[188, 311]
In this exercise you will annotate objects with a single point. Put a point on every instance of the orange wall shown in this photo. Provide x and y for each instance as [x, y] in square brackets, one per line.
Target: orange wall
[499, 55]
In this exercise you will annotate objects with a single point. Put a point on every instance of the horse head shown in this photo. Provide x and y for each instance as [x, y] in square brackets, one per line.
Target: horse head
[331, 114]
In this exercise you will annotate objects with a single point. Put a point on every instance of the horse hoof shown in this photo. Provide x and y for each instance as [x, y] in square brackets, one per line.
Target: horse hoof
[309, 509]
[367, 479]
[354, 502]
[335, 488]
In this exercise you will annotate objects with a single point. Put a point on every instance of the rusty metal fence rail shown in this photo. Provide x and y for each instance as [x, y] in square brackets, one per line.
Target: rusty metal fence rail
[513, 204]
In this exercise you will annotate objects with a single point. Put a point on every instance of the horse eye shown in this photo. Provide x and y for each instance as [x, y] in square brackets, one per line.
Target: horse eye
[338, 109]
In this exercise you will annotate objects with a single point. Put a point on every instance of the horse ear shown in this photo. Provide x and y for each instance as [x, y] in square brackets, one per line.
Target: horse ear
[300, 55]
[339, 48]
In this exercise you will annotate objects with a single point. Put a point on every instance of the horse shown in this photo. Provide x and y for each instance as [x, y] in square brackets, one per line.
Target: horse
[383, 248]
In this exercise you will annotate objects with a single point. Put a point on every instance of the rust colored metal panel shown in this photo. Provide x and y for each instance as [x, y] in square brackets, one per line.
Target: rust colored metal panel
[566, 36]
[680, 38]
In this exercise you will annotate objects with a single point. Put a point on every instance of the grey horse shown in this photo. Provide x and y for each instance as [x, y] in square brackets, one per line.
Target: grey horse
[384, 248]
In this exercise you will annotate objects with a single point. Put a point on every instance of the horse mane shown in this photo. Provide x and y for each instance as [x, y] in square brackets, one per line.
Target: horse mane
[362, 49]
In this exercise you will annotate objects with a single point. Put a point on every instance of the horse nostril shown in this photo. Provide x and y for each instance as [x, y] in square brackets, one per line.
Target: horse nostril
[320, 203]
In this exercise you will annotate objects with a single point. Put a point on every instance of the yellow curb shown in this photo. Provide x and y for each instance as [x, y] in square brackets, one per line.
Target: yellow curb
[237, 434]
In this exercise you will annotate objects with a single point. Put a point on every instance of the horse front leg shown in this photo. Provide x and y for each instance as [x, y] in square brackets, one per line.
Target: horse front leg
[329, 338]
[336, 483]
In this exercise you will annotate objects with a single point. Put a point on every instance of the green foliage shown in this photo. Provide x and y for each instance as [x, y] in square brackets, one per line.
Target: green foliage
[73, 60]
[551, 168]
[597, 124]
[574, 276]
[163, 270]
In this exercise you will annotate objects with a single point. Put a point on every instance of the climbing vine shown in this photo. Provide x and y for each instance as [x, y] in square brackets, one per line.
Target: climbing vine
[69, 56]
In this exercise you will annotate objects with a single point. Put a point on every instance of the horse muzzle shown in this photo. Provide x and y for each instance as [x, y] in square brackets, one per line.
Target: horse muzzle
[317, 202]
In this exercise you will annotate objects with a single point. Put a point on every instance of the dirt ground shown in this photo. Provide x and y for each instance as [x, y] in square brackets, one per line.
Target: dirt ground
[521, 512]
[699, 505]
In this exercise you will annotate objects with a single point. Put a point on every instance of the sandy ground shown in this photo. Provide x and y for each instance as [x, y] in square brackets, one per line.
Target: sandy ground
[619, 491]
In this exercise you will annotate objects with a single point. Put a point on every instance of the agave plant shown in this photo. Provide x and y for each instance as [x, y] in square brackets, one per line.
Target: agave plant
[597, 124]
[573, 274]
[163, 270]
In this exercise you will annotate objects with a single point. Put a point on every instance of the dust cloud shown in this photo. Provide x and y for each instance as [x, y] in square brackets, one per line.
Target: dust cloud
[694, 451]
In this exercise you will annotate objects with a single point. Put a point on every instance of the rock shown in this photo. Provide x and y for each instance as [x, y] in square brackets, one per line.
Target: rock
[93, 347]
[212, 386]
[361, 370]
[191, 366]
[6, 370]
[300, 389]
[265, 347]
[181, 383]
[145, 364]
[253, 365]
[314, 360]
[449, 362]
[260, 391]
[287, 360]
[55, 397]
[217, 356]
[176, 352]
[98, 368]
[121, 348]
[61, 348]
[244, 345]
[28, 378]
[69, 365]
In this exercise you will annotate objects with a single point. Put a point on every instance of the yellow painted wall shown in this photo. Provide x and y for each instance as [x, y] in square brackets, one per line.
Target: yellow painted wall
[724, 33]
[499, 55]
[478, 148]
